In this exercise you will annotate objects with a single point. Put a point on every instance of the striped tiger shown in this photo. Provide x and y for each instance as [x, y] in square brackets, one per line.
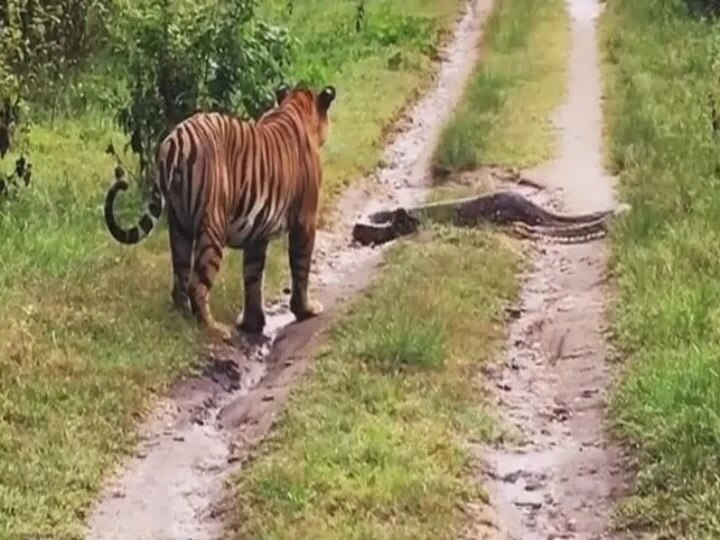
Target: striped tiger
[226, 182]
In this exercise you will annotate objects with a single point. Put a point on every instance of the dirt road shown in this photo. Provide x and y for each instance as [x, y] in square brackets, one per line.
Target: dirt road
[173, 488]
[561, 479]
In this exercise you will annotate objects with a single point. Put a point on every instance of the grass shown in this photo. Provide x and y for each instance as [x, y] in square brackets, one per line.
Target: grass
[396, 393]
[666, 406]
[87, 335]
[504, 118]
[389, 404]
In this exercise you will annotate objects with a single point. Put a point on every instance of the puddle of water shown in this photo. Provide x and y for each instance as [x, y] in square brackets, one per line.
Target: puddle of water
[169, 490]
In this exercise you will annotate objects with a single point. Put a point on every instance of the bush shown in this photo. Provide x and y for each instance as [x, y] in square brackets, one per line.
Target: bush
[704, 7]
[187, 56]
[43, 40]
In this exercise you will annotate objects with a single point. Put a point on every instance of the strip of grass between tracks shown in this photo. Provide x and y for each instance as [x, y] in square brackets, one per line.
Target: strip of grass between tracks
[505, 115]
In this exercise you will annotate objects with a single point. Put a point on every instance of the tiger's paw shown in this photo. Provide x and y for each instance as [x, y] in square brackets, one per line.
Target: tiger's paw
[252, 322]
[219, 332]
[312, 308]
[183, 302]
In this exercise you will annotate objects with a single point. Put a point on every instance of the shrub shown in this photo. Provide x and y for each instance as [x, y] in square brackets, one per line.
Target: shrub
[187, 56]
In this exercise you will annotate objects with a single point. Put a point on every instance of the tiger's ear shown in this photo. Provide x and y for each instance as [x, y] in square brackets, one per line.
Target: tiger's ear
[325, 98]
[281, 93]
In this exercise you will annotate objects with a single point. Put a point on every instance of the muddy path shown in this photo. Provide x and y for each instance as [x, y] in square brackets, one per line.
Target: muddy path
[173, 488]
[559, 480]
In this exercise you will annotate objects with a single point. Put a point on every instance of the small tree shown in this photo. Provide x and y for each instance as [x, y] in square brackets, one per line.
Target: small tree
[182, 57]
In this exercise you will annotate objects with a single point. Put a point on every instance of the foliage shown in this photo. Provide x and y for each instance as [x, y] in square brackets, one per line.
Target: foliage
[11, 182]
[360, 16]
[44, 41]
[182, 57]
[13, 137]
[704, 7]
[359, 13]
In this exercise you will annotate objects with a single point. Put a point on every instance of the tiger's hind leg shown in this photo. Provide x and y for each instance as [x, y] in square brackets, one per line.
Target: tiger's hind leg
[181, 248]
[254, 255]
[208, 256]
[302, 243]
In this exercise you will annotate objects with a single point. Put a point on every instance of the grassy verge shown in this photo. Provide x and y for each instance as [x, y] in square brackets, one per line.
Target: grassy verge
[667, 404]
[395, 395]
[87, 336]
[505, 115]
[388, 404]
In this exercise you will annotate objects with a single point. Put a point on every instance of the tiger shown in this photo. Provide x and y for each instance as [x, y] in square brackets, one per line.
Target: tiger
[231, 183]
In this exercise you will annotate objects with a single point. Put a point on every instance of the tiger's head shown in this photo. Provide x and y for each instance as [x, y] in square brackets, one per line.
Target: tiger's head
[313, 105]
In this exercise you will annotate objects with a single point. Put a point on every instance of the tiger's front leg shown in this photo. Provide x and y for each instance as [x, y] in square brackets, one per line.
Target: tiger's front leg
[302, 243]
[254, 255]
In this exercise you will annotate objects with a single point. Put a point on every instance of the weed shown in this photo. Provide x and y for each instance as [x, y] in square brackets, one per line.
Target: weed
[402, 339]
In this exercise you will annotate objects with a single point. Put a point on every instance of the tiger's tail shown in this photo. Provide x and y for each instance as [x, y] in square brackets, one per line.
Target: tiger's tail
[147, 221]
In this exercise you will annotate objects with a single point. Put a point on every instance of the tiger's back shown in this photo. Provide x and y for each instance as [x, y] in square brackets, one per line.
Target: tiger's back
[247, 178]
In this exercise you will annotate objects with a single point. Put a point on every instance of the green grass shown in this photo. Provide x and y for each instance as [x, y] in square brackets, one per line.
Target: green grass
[666, 256]
[504, 118]
[87, 334]
[371, 446]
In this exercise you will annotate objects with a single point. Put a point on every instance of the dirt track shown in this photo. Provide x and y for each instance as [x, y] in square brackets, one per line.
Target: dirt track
[561, 479]
[173, 488]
